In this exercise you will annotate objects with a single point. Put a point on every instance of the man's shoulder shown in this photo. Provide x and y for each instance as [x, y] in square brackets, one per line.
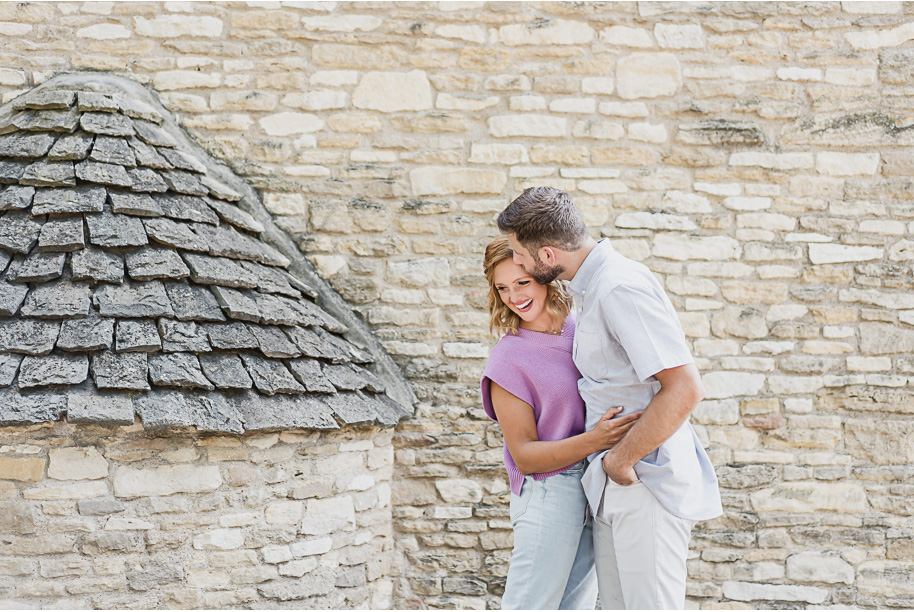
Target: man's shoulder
[620, 271]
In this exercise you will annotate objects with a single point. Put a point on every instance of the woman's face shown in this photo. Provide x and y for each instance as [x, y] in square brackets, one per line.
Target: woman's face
[522, 295]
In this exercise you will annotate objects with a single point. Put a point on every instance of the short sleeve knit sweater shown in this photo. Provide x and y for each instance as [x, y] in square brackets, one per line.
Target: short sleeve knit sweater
[537, 368]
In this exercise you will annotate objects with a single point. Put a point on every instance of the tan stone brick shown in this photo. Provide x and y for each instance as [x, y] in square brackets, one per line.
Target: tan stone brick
[77, 464]
[26, 469]
[625, 156]
[570, 155]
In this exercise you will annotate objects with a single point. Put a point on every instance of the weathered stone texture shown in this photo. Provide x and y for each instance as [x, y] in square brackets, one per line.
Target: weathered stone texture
[755, 156]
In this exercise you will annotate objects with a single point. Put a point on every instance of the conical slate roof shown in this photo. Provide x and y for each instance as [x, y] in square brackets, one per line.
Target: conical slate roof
[134, 283]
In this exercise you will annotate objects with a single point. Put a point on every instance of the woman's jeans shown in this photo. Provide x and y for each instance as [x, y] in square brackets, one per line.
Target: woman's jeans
[552, 562]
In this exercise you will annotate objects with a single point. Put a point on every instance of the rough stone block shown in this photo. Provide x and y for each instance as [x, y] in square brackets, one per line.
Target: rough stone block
[25, 469]
[76, 464]
[167, 480]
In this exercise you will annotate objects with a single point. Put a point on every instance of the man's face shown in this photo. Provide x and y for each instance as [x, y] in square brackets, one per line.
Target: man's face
[531, 262]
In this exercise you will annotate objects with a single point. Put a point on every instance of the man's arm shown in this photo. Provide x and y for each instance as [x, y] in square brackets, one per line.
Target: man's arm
[680, 391]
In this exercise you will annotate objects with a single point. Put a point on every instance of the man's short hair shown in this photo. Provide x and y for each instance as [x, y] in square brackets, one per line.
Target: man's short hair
[544, 216]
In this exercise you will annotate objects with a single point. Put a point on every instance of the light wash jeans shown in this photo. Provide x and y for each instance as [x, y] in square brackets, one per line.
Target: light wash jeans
[552, 566]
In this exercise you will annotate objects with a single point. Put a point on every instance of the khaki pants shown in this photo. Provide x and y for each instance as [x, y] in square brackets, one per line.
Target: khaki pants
[640, 550]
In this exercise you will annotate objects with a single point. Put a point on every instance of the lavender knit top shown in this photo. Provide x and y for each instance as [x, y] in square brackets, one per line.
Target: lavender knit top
[538, 369]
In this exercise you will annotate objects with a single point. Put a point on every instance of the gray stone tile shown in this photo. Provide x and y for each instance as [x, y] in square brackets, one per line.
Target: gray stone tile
[345, 377]
[62, 235]
[230, 336]
[93, 333]
[137, 335]
[53, 370]
[16, 197]
[353, 353]
[235, 216]
[273, 342]
[182, 336]
[218, 271]
[148, 156]
[96, 408]
[138, 110]
[137, 204]
[187, 208]
[174, 234]
[184, 182]
[270, 376]
[182, 161]
[18, 232]
[108, 124]
[214, 412]
[110, 150]
[58, 300]
[63, 121]
[9, 366]
[119, 370]
[72, 147]
[25, 144]
[147, 180]
[25, 409]
[282, 413]
[154, 135]
[275, 310]
[271, 280]
[45, 99]
[39, 267]
[313, 345]
[97, 265]
[5, 258]
[308, 313]
[68, 201]
[135, 300]
[225, 241]
[28, 336]
[103, 174]
[161, 409]
[193, 303]
[149, 263]
[93, 101]
[237, 305]
[11, 171]
[177, 370]
[225, 371]
[49, 174]
[111, 230]
[220, 190]
[351, 408]
[11, 297]
[308, 372]
[372, 382]
[389, 413]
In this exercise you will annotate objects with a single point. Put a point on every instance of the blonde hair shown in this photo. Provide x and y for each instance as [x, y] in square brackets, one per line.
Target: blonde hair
[502, 319]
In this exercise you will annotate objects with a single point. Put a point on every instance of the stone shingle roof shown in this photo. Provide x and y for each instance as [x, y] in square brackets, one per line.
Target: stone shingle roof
[136, 280]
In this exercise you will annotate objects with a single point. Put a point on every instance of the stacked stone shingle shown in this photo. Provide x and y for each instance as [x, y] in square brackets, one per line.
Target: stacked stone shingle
[130, 275]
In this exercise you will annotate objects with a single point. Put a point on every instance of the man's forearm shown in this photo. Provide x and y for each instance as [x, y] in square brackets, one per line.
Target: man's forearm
[661, 419]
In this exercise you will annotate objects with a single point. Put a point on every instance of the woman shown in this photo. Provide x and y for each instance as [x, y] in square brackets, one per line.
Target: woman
[530, 388]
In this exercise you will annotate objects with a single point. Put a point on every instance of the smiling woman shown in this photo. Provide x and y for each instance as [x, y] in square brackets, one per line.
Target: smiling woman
[530, 388]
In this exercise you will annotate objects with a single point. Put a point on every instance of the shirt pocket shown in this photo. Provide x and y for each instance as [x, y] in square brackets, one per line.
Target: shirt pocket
[589, 356]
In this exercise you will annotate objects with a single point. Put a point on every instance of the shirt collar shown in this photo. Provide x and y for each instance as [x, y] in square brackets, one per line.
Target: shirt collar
[600, 253]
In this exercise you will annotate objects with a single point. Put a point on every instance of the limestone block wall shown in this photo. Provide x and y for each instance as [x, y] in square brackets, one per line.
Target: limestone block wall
[116, 518]
[755, 155]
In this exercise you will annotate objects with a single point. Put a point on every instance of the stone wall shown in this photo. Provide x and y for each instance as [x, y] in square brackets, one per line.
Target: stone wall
[116, 518]
[754, 155]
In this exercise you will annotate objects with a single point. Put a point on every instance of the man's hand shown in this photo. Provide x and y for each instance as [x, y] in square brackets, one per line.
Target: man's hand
[617, 472]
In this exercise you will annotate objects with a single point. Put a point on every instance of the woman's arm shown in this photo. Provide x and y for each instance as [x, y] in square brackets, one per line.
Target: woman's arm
[531, 456]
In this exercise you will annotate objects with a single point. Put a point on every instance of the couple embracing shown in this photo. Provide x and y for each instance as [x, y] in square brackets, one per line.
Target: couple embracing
[592, 386]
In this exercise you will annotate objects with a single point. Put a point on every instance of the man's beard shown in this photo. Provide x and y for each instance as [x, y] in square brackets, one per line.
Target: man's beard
[542, 273]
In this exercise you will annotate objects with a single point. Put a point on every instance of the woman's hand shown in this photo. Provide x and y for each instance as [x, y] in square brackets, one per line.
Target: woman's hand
[609, 431]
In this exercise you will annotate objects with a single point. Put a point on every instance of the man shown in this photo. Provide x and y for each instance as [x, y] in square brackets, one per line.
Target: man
[647, 492]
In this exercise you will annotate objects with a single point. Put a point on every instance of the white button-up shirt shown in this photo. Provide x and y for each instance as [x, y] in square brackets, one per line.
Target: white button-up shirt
[627, 331]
